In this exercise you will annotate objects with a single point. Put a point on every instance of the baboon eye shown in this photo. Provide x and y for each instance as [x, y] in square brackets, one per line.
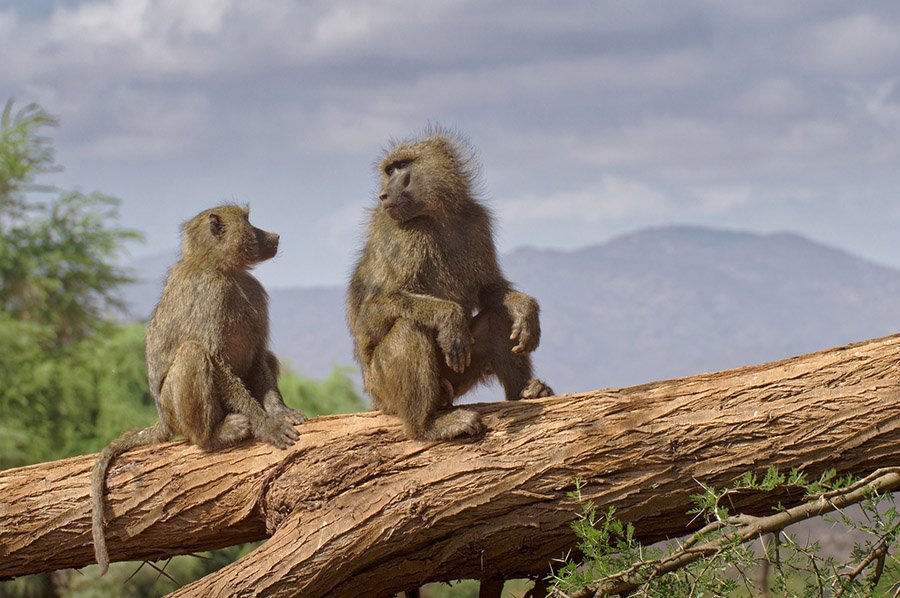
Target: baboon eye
[389, 170]
[216, 226]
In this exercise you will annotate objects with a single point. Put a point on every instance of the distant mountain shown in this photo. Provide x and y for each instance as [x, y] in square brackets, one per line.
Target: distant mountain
[655, 304]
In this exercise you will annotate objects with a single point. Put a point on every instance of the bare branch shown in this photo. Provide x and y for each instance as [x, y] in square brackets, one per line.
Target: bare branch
[876, 554]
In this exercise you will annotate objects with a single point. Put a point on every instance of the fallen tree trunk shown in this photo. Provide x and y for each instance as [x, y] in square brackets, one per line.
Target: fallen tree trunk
[353, 508]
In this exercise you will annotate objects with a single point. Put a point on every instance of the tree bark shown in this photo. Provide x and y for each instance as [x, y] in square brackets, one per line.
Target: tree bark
[353, 508]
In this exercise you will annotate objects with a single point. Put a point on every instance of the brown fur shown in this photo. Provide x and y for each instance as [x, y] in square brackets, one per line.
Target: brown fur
[211, 373]
[428, 264]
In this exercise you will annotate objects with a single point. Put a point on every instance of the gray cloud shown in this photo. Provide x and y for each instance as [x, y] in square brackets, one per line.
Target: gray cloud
[591, 118]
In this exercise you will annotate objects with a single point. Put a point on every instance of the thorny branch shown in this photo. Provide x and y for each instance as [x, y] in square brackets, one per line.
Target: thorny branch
[876, 554]
[745, 529]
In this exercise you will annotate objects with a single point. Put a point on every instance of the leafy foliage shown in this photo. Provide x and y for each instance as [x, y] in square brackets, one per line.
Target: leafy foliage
[24, 154]
[57, 401]
[58, 259]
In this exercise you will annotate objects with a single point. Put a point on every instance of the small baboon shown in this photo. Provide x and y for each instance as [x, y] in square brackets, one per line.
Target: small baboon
[429, 264]
[213, 378]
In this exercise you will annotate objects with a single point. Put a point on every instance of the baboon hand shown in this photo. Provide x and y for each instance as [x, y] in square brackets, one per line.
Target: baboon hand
[526, 333]
[277, 432]
[455, 340]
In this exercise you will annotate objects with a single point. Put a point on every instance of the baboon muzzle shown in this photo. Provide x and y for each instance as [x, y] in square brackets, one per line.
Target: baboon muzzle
[268, 243]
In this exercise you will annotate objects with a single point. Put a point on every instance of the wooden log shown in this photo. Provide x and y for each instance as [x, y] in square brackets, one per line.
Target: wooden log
[353, 508]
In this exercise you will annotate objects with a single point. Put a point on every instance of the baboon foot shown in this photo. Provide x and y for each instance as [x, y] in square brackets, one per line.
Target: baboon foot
[273, 404]
[233, 429]
[452, 424]
[536, 389]
[277, 432]
[292, 416]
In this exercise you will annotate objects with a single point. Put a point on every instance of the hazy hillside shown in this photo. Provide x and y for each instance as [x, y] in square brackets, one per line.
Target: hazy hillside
[654, 304]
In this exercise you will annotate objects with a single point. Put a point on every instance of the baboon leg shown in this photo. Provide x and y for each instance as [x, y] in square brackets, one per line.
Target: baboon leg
[452, 423]
[188, 400]
[263, 386]
[493, 354]
[404, 378]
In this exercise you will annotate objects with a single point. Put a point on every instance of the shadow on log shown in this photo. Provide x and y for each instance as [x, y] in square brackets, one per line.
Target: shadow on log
[354, 508]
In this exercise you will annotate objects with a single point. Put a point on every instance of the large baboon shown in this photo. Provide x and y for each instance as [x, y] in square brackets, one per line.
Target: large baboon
[429, 264]
[211, 373]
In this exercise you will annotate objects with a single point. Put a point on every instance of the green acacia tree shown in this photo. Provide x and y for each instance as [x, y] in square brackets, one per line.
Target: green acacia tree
[24, 154]
[59, 256]
[59, 271]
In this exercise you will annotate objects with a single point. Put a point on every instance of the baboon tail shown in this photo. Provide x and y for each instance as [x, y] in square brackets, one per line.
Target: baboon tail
[127, 441]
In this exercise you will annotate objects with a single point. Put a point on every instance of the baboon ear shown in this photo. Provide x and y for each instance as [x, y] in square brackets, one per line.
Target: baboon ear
[215, 225]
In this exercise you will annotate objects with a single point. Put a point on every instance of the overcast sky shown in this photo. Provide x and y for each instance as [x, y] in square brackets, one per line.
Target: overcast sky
[591, 118]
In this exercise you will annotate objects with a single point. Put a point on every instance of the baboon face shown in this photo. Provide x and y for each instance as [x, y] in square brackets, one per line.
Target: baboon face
[422, 179]
[400, 195]
[225, 233]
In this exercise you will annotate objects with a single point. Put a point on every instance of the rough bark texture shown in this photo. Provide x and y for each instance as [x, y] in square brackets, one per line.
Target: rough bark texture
[355, 509]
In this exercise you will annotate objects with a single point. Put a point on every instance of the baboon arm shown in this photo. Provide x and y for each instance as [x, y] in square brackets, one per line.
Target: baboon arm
[263, 382]
[383, 309]
[447, 319]
[522, 310]
[274, 428]
[236, 396]
[520, 305]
